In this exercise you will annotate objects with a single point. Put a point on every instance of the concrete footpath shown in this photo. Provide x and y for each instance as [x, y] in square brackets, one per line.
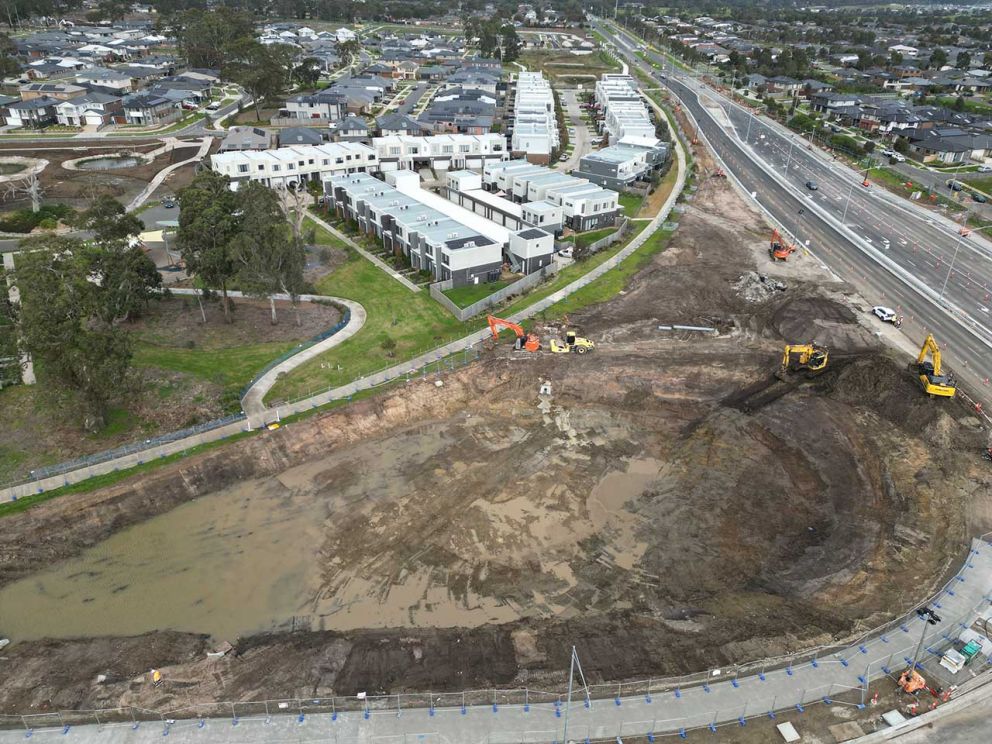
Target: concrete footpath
[724, 699]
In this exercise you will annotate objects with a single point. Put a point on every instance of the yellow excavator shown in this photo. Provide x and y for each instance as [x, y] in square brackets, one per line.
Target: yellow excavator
[804, 356]
[934, 383]
[571, 344]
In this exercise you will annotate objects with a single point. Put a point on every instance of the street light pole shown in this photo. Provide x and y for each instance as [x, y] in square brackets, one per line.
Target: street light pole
[965, 232]
[847, 203]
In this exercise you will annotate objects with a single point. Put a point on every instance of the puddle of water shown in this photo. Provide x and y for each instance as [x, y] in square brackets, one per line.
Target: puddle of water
[231, 562]
[239, 561]
[111, 162]
[606, 507]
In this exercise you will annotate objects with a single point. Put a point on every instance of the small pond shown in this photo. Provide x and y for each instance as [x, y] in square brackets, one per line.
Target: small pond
[110, 162]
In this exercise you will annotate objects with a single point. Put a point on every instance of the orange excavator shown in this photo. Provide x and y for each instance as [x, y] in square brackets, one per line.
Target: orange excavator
[778, 249]
[525, 341]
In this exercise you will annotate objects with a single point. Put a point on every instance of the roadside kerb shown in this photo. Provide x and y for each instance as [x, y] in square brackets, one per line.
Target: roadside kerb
[923, 290]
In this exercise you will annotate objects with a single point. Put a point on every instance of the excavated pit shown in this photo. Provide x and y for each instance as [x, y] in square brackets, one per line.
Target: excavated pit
[467, 535]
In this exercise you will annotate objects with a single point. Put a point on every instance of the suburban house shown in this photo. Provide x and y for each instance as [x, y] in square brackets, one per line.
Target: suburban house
[290, 166]
[393, 124]
[148, 110]
[452, 243]
[825, 103]
[35, 112]
[584, 205]
[300, 136]
[950, 145]
[91, 110]
[321, 107]
[620, 166]
[464, 188]
[245, 138]
[103, 77]
[61, 91]
[624, 111]
[441, 152]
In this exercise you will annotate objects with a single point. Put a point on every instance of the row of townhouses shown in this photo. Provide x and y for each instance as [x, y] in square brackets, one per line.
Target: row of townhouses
[624, 111]
[535, 125]
[451, 242]
[584, 205]
[291, 165]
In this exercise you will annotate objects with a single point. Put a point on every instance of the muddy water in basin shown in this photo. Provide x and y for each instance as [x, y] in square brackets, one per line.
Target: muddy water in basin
[111, 162]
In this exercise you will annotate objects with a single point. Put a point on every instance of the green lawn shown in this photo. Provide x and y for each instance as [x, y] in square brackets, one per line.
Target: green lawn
[413, 320]
[573, 271]
[588, 238]
[233, 368]
[631, 204]
[982, 184]
[607, 286]
[472, 293]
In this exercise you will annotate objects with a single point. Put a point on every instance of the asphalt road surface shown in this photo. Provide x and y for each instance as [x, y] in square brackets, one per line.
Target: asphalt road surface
[898, 257]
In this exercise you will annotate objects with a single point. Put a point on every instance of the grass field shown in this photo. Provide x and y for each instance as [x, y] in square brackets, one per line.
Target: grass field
[631, 204]
[412, 321]
[472, 293]
[560, 65]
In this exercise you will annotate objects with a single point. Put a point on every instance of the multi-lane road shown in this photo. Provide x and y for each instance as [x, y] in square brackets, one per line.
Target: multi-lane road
[895, 253]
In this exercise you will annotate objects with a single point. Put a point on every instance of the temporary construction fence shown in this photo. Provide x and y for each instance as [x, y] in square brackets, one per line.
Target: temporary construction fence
[136, 454]
[345, 319]
[646, 707]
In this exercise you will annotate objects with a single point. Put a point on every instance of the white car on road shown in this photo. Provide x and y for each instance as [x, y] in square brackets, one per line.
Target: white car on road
[885, 314]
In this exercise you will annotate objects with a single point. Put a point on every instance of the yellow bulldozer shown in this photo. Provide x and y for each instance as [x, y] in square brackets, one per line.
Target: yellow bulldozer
[930, 372]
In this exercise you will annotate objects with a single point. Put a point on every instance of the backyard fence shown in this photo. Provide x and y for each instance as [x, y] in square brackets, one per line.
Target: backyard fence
[518, 287]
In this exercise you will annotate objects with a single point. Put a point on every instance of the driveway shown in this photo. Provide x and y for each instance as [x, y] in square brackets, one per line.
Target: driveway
[412, 99]
[583, 140]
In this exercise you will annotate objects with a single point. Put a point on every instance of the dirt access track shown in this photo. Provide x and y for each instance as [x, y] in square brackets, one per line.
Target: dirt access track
[670, 507]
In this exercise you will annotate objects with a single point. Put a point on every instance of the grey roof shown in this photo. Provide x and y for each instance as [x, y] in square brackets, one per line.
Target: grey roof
[245, 138]
[531, 233]
[300, 136]
[35, 103]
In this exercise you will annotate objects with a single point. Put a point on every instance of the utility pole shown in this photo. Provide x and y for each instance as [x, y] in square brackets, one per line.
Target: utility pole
[574, 664]
[930, 617]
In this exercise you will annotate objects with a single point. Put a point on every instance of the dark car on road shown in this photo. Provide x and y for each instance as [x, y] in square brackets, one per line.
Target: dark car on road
[811, 185]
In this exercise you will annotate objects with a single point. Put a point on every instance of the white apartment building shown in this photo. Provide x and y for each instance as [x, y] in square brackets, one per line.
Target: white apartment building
[584, 205]
[624, 111]
[441, 152]
[535, 127]
[290, 166]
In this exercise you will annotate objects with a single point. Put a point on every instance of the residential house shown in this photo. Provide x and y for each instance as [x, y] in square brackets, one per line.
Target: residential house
[34, 113]
[321, 107]
[290, 166]
[245, 138]
[350, 129]
[148, 109]
[106, 78]
[94, 110]
[620, 166]
[394, 124]
[535, 124]
[441, 152]
[827, 103]
[300, 136]
[60, 91]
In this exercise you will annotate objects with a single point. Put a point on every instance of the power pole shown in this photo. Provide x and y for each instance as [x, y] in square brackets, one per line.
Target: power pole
[575, 664]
